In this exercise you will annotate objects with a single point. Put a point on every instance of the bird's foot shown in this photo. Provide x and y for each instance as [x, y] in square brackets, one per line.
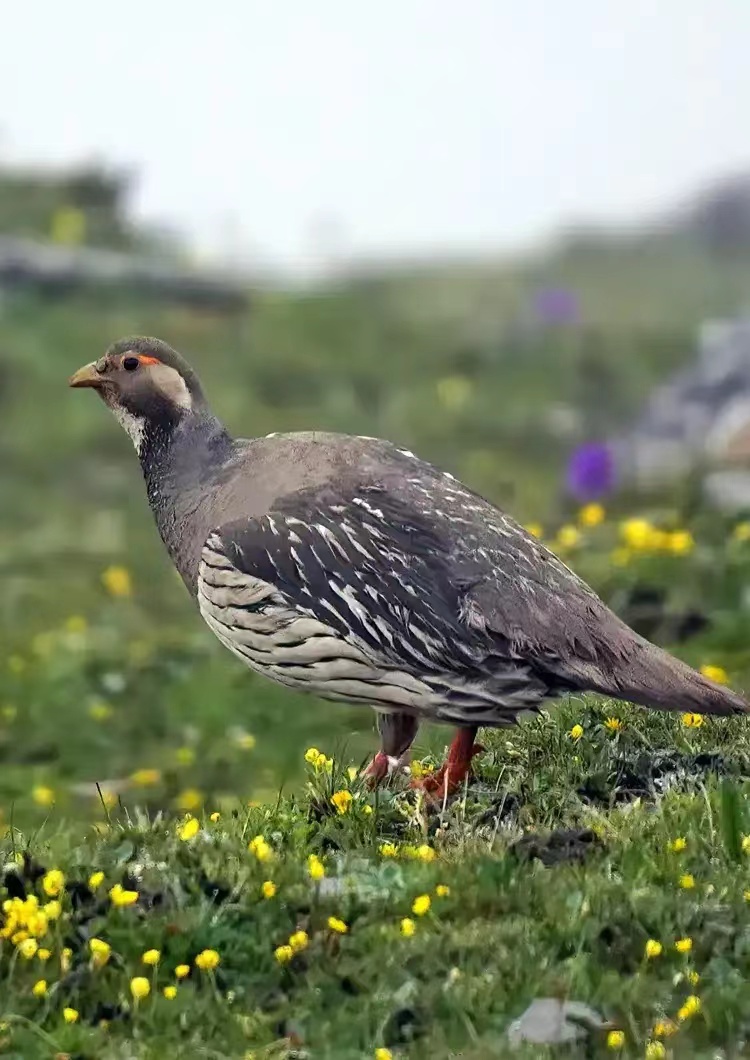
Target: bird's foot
[382, 768]
[445, 781]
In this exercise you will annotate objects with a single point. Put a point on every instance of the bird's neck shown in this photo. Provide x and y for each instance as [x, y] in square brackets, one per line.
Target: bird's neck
[175, 453]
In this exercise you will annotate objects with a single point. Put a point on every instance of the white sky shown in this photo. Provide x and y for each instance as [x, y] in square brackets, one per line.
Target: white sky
[400, 126]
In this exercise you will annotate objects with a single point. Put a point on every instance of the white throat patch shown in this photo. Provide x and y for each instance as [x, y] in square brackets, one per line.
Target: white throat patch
[134, 425]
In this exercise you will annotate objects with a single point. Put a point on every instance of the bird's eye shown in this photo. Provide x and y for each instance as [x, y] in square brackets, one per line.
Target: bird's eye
[130, 363]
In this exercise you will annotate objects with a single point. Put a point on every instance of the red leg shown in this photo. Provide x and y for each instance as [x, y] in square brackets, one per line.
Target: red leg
[455, 768]
[397, 732]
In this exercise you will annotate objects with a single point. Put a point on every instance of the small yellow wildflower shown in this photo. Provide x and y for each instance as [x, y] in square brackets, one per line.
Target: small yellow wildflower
[207, 960]
[591, 515]
[96, 879]
[315, 868]
[299, 941]
[687, 881]
[424, 852]
[692, 721]
[260, 848]
[388, 850]
[421, 905]
[383, 1054]
[746, 895]
[715, 673]
[339, 926]
[653, 948]
[190, 799]
[99, 710]
[535, 529]
[684, 945]
[151, 957]
[568, 536]
[42, 795]
[638, 534]
[100, 951]
[121, 897]
[189, 829]
[692, 977]
[268, 890]
[70, 1015]
[39, 989]
[28, 948]
[43, 954]
[613, 724]
[145, 778]
[655, 1051]
[678, 845]
[140, 987]
[680, 542]
[576, 732]
[53, 882]
[367, 809]
[283, 954]
[170, 992]
[185, 756]
[664, 1028]
[52, 910]
[312, 754]
[691, 1007]
[342, 800]
[408, 927]
[117, 581]
[182, 971]
[615, 1039]
[442, 890]
[214, 817]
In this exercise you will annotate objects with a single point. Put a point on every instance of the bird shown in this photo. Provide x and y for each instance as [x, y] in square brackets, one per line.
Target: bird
[350, 568]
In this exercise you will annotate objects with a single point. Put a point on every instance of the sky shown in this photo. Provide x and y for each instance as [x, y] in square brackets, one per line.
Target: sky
[294, 132]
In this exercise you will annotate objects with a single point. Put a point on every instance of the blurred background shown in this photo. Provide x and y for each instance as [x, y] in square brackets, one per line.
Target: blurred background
[514, 238]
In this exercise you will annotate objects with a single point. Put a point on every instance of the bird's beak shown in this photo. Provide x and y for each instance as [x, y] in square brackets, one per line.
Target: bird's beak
[86, 376]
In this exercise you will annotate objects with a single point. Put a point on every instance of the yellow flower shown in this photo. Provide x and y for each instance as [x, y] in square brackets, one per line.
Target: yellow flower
[268, 890]
[151, 957]
[591, 515]
[680, 542]
[70, 1015]
[655, 1051]
[245, 741]
[383, 1054]
[96, 879]
[425, 853]
[145, 778]
[190, 799]
[746, 895]
[100, 951]
[408, 927]
[207, 960]
[99, 710]
[140, 987]
[182, 971]
[684, 945]
[299, 940]
[39, 989]
[421, 905]
[190, 829]
[339, 926]
[53, 882]
[120, 897]
[283, 954]
[576, 732]
[678, 845]
[42, 795]
[690, 1008]
[317, 759]
[653, 948]
[185, 756]
[741, 532]
[693, 978]
[746, 844]
[52, 910]
[170, 992]
[692, 721]
[687, 881]
[214, 817]
[664, 1028]
[28, 948]
[342, 800]
[715, 673]
[638, 534]
[613, 724]
[567, 537]
[43, 954]
[615, 1039]
[260, 848]
[442, 890]
[535, 529]
[315, 868]
[388, 850]
[117, 581]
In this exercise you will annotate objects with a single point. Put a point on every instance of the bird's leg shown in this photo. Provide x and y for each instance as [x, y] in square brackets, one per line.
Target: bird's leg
[455, 768]
[397, 731]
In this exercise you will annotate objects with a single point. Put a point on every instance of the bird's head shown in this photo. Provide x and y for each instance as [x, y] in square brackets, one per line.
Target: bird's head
[145, 383]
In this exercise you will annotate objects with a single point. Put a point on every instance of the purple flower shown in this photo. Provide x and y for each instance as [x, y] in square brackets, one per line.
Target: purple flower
[556, 306]
[591, 471]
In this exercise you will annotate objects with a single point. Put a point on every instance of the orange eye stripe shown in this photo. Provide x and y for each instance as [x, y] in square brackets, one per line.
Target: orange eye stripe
[148, 360]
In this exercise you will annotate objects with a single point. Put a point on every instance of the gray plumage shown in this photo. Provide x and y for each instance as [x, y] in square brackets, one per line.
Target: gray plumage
[350, 568]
